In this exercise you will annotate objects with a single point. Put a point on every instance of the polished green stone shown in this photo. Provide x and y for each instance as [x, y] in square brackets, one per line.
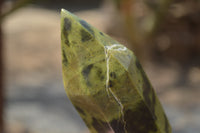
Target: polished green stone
[106, 83]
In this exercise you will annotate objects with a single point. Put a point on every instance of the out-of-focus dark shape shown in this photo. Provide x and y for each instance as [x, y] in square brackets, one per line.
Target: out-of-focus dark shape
[12, 7]
[181, 28]
[72, 5]
[141, 19]
[167, 29]
[1, 76]
[17, 4]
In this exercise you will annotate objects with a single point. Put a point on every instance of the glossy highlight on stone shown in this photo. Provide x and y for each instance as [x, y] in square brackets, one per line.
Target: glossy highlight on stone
[106, 83]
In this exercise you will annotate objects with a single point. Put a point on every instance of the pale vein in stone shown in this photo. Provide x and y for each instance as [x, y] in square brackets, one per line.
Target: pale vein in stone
[114, 47]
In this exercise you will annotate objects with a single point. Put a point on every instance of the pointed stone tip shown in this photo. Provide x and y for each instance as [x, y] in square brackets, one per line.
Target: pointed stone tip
[63, 11]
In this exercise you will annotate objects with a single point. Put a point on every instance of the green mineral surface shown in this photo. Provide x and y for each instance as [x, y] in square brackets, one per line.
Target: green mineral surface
[106, 83]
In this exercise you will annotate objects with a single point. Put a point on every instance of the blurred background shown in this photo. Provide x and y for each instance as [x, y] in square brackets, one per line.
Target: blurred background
[164, 34]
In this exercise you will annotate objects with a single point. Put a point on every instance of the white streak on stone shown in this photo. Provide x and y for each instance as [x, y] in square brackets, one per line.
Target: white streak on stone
[108, 49]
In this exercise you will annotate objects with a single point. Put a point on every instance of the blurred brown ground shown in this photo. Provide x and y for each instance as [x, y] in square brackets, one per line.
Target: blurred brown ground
[35, 98]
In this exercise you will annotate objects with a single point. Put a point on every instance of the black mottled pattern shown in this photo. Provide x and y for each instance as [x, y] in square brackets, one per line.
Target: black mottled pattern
[64, 60]
[67, 24]
[100, 126]
[117, 126]
[113, 75]
[80, 111]
[100, 74]
[85, 72]
[85, 36]
[148, 93]
[138, 65]
[101, 33]
[66, 30]
[86, 26]
[110, 83]
[140, 120]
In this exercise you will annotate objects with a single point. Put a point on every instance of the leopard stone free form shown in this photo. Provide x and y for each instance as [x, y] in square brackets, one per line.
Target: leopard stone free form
[106, 83]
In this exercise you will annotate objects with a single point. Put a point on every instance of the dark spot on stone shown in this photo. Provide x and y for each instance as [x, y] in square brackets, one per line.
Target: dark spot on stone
[67, 24]
[138, 64]
[100, 126]
[86, 26]
[67, 41]
[139, 120]
[117, 126]
[110, 84]
[80, 110]
[113, 75]
[100, 74]
[85, 36]
[66, 30]
[166, 125]
[146, 90]
[101, 33]
[86, 72]
[65, 60]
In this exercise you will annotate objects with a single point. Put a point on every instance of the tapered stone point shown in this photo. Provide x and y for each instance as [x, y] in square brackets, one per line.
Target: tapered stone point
[106, 83]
